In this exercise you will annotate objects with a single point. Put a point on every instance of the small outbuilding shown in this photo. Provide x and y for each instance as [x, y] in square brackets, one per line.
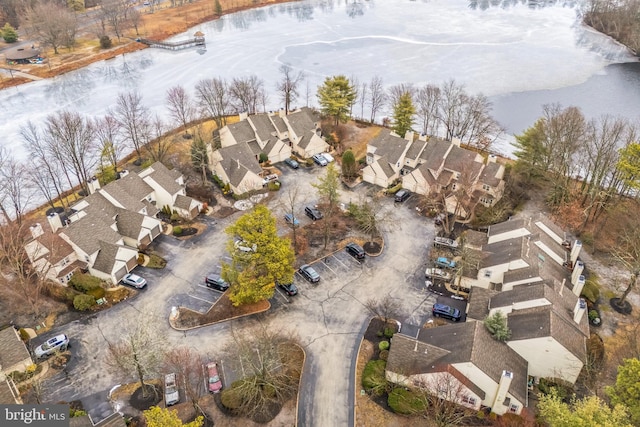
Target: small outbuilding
[23, 55]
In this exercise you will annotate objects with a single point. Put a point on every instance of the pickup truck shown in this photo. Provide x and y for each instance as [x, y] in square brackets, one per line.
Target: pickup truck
[444, 242]
[444, 262]
[171, 394]
[436, 273]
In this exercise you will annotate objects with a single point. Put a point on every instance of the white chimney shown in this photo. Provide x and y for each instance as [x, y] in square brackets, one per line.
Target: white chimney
[577, 272]
[93, 184]
[36, 230]
[54, 221]
[579, 285]
[243, 116]
[492, 158]
[408, 135]
[578, 311]
[503, 388]
[575, 251]
[456, 141]
[123, 173]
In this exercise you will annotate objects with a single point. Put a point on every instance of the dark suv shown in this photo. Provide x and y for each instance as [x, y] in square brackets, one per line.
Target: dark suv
[313, 213]
[443, 310]
[355, 250]
[402, 195]
[289, 288]
[216, 282]
[309, 273]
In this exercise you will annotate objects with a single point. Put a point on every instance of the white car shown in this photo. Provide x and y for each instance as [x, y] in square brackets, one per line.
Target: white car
[437, 273]
[328, 157]
[53, 345]
[134, 280]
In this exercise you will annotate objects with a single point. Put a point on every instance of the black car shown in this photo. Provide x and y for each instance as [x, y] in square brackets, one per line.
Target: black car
[355, 250]
[309, 273]
[289, 288]
[291, 163]
[443, 310]
[216, 282]
[402, 195]
[313, 213]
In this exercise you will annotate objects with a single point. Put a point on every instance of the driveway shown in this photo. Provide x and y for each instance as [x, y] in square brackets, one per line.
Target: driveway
[329, 317]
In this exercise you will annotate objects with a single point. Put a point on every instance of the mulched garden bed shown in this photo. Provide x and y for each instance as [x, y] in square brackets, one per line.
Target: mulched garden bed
[222, 310]
[143, 401]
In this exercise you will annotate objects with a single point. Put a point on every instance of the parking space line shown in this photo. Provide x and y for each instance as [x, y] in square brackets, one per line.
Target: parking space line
[326, 265]
[201, 299]
[337, 259]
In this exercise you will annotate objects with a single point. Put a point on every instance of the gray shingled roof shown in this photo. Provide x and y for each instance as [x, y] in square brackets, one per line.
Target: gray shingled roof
[489, 174]
[122, 196]
[539, 322]
[520, 293]
[183, 202]
[416, 149]
[408, 356]
[242, 131]
[12, 349]
[6, 396]
[550, 224]
[461, 160]
[106, 258]
[166, 178]
[435, 152]
[129, 223]
[521, 274]
[263, 127]
[88, 231]
[99, 205]
[389, 147]
[237, 160]
[279, 123]
[475, 239]
[479, 298]
[302, 124]
[57, 247]
[505, 227]
[504, 251]
[471, 342]
[134, 186]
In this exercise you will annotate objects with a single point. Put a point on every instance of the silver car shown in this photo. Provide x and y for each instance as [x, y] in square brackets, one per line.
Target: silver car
[134, 280]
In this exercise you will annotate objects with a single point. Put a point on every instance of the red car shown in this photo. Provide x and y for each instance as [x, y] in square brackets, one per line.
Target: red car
[214, 384]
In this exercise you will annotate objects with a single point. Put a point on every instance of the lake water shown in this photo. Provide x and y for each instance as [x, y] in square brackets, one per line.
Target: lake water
[519, 54]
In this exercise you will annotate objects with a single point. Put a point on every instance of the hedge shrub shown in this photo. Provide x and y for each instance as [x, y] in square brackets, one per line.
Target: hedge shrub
[177, 230]
[591, 290]
[230, 398]
[97, 293]
[383, 345]
[83, 302]
[373, 379]
[388, 332]
[84, 282]
[403, 401]
[384, 354]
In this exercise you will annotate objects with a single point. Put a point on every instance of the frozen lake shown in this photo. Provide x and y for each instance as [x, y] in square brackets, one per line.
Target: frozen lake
[520, 56]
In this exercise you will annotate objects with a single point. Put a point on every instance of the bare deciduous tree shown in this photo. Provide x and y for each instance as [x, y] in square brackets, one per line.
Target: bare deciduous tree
[160, 144]
[214, 100]
[270, 365]
[427, 100]
[180, 106]
[133, 117]
[288, 86]
[188, 365]
[71, 137]
[386, 308]
[15, 187]
[109, 141]
[291, 205]
[51, 23]
[247, 93]
[139, 352]
[627, 252]
[115, 14]
[377, 97]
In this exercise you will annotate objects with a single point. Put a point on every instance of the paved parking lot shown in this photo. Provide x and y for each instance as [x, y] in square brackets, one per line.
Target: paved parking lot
[328, 318]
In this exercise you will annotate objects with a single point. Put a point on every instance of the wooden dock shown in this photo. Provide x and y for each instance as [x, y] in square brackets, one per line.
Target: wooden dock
[183, 44]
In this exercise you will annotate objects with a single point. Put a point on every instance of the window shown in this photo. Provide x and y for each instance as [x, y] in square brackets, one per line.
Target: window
[514, 409]
[65, 261]
[487, 273]
[485, 187]
[369, 158]
[453, 186]
[469, 400]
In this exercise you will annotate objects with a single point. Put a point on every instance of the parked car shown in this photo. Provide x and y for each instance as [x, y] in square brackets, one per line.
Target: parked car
[313, 213]
[444, 262]
[443, 310]
[216, 282]
[291, 219]
[289, 288]
[402, 195]
[292, 163]
[309, 273]
[269, 178]
[134, 280]
[171, 394]
[436, 273]
[51, 346]
[319, 159]
[355, 250]
[328, 157]
[444, 242]
[214, 383]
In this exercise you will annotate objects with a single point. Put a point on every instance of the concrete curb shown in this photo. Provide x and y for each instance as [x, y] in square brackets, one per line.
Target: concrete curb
[304, 363]
[173, 326]
[354, 370]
